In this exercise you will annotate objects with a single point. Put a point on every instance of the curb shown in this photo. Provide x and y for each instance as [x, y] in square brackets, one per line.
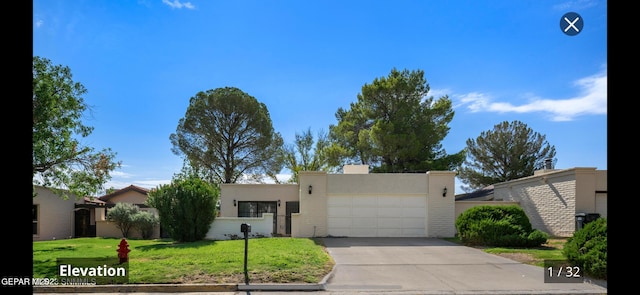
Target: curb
[281, 287]
[290, 287]
[137, 288]
[176, 288]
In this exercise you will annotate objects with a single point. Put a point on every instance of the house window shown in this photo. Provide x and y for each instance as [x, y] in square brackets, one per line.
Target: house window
[255, 209]
[34, 213]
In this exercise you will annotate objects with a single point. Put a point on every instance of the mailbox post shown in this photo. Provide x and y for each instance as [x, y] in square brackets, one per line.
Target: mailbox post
[246, 229]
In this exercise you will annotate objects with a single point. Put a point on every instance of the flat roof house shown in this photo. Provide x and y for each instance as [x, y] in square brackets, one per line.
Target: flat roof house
[354, 203]
[552, 198]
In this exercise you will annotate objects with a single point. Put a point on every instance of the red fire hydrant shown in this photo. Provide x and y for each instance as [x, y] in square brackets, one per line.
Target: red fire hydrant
[123, 251]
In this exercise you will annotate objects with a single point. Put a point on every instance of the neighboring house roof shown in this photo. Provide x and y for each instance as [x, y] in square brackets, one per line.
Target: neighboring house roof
[132, 187]
[483, 194]
[96, 201]
[90, 202]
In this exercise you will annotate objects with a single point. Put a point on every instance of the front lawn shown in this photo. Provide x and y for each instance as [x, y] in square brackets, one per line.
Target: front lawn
[269, 260]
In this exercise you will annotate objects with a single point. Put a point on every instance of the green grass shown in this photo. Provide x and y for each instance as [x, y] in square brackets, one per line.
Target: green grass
[552, 250]
[269, 260]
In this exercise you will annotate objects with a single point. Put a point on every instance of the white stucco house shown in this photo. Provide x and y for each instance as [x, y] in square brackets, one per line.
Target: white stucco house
[354, 203]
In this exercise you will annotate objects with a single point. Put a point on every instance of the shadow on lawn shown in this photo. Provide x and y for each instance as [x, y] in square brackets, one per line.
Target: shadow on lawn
[56, 249]
[170, 244]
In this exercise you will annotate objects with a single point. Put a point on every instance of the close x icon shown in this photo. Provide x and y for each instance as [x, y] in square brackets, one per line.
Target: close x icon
[571, 23]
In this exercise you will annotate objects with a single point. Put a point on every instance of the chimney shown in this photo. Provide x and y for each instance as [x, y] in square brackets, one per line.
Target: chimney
[548, 164]
[355, 169]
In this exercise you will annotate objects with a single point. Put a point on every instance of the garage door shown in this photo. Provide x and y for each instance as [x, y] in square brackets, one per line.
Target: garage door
[376, 216]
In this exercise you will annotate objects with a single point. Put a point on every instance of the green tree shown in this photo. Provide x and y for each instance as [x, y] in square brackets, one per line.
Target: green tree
[228, 134]
[124, 217]
[395, 127]
[308, 154]
[60, 161]
[511, 150]
[186, 206]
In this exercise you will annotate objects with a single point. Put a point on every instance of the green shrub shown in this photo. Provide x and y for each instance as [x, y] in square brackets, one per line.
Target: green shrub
[186, 206]
[537, 238]
[122, 214]
[587, 248]
[145, 222]
[498, 226]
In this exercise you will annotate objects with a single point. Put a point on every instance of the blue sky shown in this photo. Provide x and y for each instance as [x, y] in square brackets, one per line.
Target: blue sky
[141, 61]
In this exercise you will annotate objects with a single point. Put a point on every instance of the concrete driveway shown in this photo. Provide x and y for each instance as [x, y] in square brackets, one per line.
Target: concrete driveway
[435, 266]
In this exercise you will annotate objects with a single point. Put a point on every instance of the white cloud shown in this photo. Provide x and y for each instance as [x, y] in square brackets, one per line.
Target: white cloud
[283, 178]
[577, 4]
[475, 101]
[149, 184]
[179, 5]
[120, 174]
[592, 100]
[39, 23]
[437, 93]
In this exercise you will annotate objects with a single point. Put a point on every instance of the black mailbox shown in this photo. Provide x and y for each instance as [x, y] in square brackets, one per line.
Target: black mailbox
[245, 228]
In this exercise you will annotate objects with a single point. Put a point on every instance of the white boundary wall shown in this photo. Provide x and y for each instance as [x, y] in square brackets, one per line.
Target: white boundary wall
[224, 228]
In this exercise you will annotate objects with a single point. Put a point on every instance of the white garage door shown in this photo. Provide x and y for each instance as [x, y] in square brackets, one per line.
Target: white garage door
[376, 216]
